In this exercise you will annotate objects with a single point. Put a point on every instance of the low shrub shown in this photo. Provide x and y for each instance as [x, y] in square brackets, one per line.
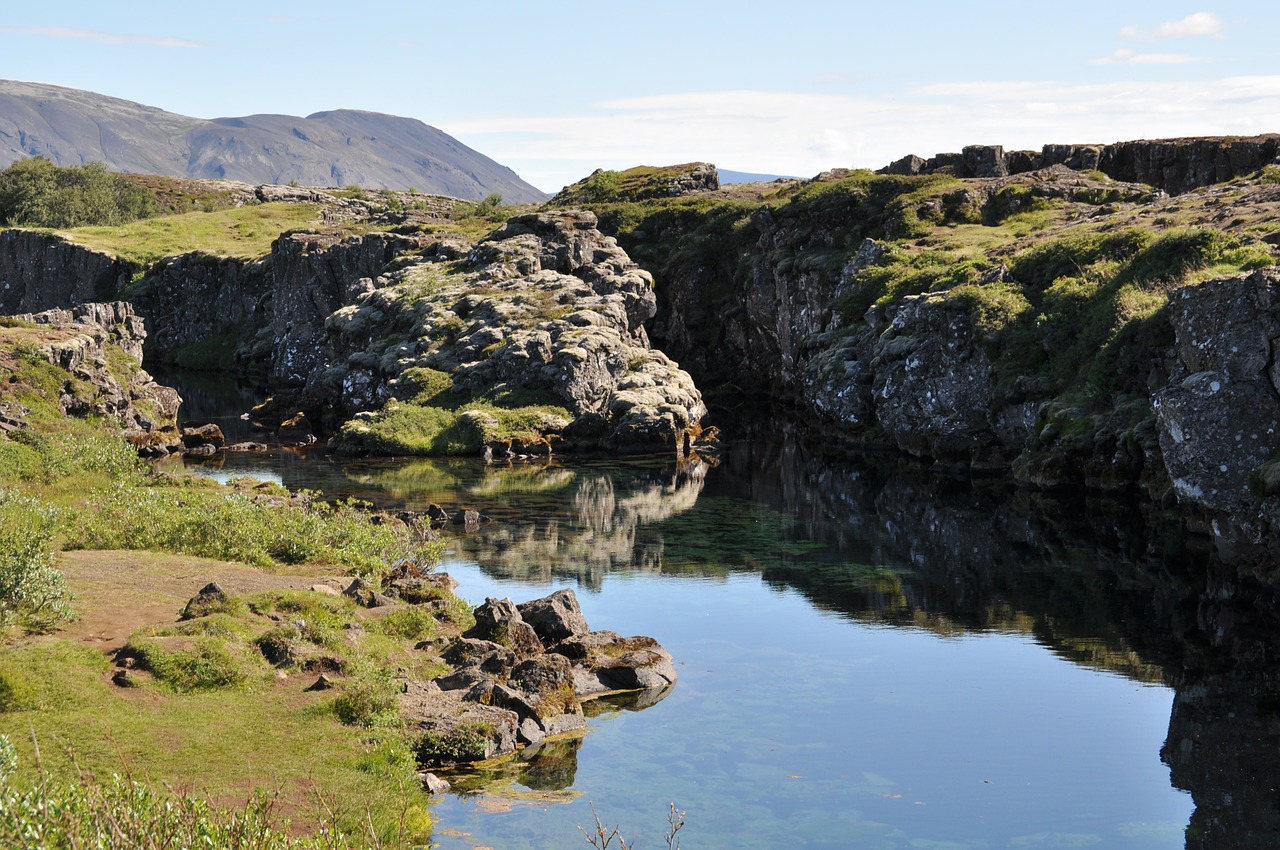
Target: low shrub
[127, 815]
[33, 592]
[240, 527]
[368, 699]
[409, 623]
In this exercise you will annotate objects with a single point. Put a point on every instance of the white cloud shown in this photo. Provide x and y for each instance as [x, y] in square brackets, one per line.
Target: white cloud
[803, 134]
[103, 37]
[1124, 56]
[1198, 25]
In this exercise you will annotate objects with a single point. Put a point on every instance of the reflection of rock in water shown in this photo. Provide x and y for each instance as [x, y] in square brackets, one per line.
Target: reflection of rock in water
[1224, 732]
[598, 531]
[1224, 748]
[629, 701]
[550, 765]
[1105, 583]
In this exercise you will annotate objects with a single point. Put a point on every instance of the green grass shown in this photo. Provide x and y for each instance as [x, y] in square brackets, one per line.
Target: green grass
[219, 742]
[232, 232]
[124, 815]
[236, 526]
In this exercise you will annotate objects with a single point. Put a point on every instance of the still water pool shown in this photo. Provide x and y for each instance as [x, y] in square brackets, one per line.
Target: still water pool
[869, 656]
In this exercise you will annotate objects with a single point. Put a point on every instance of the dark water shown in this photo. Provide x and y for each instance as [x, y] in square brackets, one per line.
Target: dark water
[869, 656]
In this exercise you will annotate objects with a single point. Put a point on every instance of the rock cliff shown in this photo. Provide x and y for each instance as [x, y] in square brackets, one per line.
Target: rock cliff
[1059, 326]
[99, 347]
[39, 272]
[544, 309]
[1173, 165]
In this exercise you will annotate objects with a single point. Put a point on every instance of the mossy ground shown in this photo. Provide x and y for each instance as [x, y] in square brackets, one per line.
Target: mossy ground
[211, 714]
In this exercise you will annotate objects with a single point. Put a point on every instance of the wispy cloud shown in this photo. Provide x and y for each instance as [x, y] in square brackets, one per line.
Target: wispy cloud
[1124, 56]
[99, 37]
[802, 133]
[1198, 25]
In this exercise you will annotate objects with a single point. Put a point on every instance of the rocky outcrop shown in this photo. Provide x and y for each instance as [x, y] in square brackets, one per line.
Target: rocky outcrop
[1172, 165]
[315, 274]
[40, 271]
[100, 348]
[545, 306]
[933, 384]
[520, 675]
[1218, 418]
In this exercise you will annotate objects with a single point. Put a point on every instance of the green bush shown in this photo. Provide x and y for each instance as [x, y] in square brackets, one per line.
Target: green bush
[368, 699]
[36, 193]
[466, 742]
[239, 527]
[126, 815]
[409, 623]
[210, 663]
[33, 592]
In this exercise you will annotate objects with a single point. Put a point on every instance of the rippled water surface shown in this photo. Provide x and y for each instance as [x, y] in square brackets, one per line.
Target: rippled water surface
[868, 657]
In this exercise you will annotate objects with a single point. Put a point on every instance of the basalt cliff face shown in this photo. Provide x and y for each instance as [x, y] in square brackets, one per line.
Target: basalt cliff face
[1172, 165]
[98, 347]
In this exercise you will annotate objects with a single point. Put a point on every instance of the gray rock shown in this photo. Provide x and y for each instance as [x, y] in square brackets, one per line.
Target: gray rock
[210, 598]
[1221, 422]
[366, 594]
[434, 784]
[499, 620]
[934, 384]
[556, 617]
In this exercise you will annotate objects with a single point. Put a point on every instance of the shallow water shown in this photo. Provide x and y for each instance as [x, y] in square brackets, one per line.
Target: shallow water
[868, 656]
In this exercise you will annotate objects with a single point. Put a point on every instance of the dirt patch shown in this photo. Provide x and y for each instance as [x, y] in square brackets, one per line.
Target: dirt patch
[119, 592]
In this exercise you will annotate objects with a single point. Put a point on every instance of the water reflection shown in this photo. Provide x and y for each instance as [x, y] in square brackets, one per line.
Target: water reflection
[1104, 584]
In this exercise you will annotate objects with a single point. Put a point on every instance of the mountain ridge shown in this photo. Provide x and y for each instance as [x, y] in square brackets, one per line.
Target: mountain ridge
[336, 147]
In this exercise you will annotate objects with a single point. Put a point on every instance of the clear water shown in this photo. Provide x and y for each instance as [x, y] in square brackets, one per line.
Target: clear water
[868, 658]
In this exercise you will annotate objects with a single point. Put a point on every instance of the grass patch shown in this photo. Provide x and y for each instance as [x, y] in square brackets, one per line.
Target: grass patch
[206, 662]
[232, 232]
[219, 743]
[431, 429]
[124, 815]
[239, 526]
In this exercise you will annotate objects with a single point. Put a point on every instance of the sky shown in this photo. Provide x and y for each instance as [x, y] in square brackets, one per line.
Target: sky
[557, 88]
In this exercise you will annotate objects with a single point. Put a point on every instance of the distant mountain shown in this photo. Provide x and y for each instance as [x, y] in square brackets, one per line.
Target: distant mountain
[747, 177]
[338, 148]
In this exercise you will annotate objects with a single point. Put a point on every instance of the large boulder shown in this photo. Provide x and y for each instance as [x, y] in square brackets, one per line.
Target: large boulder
[1218, 418]
[556, 617]
[934, 384]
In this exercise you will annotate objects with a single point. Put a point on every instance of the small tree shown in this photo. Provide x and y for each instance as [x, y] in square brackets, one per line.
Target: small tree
[33, 592]
[36, 193]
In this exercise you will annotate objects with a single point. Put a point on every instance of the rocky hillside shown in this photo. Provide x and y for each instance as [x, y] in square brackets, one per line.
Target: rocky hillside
[95, 354]
[1171, 165]
[1060, 326]
[338, 148]
[431, 336]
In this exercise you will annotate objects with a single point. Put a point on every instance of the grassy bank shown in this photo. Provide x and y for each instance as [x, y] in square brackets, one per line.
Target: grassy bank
[123, 709]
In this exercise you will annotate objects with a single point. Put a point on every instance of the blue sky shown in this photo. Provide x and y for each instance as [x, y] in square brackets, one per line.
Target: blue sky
[557, 88]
